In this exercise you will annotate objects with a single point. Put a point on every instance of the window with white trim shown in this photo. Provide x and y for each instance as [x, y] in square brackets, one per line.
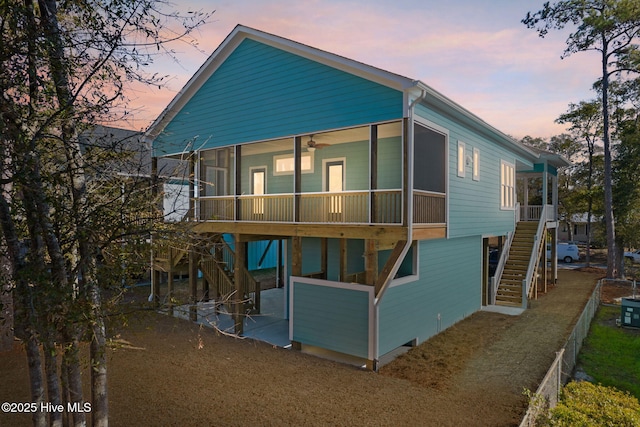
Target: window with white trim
[461, 165]
[284, 164]
[507, 185]
[476, 164]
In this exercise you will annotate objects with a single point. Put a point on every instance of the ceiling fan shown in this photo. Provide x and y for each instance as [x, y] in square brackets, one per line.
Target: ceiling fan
[312, 145]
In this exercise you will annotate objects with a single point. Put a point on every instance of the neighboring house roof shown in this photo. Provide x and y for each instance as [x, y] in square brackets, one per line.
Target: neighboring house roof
[135, 159]
[581, 218]
[412, 88]
[555, 160]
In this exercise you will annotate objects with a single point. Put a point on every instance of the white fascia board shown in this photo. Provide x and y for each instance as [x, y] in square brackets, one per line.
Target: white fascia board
[451, 106]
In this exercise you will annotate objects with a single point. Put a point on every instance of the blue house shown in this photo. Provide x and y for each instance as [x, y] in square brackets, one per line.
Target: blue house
[385, 198]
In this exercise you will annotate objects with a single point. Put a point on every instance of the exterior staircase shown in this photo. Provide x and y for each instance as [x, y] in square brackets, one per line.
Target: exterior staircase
[509, 290]
[216, 261]
[218, 267]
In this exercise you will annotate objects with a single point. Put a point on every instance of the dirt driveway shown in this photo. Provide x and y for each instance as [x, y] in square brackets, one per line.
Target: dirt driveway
[169, 372]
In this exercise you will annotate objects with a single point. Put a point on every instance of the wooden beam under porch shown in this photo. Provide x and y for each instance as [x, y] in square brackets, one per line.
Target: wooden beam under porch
[251, 230]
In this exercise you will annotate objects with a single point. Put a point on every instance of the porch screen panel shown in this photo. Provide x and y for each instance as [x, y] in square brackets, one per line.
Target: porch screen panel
[429, 160]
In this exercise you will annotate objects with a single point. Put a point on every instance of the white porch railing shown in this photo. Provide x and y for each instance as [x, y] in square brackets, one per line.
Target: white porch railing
[535, 212]
[349, 207]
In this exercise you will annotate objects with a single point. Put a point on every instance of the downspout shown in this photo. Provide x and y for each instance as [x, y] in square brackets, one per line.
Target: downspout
[409, 202]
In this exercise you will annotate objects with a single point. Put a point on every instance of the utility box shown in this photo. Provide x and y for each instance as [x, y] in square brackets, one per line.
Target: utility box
[630, 312]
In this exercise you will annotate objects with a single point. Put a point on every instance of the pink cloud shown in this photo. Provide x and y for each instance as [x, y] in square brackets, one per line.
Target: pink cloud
[502, 72]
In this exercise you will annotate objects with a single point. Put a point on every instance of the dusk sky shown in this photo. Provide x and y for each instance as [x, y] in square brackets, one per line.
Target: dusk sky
[475, 52]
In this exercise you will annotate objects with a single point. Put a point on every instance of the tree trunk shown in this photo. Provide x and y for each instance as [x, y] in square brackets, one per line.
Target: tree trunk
[35, 378]
[99, 397]
[589, 204]
[53, 384]
[608, 188]
[74, 372]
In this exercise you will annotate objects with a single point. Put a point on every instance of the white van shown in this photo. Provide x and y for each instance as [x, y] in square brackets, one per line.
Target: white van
[567, 252]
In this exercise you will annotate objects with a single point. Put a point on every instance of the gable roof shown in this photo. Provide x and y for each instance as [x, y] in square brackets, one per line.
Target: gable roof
[413, 89]
[240, 33]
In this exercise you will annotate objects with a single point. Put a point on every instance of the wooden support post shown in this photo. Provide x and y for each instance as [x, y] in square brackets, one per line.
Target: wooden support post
[296, 256]
[155, 285]
[343, 260]
[370, 262]
[324, 257]
[485, 271]
[193, 284]
[170, 283]
[205, 290]
[238, 304]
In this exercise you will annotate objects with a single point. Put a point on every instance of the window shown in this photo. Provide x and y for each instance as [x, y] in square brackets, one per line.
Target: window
[258, 185]
[507, 186]
[334, 176]
[284, 164]
[461, 168]
[476, 164]
[430, 160]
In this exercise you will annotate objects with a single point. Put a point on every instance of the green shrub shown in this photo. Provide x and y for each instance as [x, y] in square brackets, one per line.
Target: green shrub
[583, 404]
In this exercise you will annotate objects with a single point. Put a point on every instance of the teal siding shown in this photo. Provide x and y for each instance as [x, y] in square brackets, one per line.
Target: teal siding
[261, 92]
[449, 286]
[355, 154]
[333, 318]
[390, 163]
[474, 206]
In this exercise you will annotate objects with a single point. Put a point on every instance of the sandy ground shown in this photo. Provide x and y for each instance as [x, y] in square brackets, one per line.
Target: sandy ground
[169, 372]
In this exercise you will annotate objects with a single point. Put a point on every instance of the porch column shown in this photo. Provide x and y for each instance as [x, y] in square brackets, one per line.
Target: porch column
[525, 186]
[545, 185]
[192, 184]
[373, 166]
[554, 255]
[238, 183]
[297, 177]
[407, 178]
[554, 197]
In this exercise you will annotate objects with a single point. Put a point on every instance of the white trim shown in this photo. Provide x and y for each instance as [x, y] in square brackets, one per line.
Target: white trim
[416, 265]
[344, 173]
[475, 164]
[460, 159]
[510, 204]
[437, 128]
[258, 204]
[277, 157]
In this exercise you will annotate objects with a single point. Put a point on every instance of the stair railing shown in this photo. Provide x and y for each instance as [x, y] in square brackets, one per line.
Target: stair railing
[538, 243]
[504, 255]
[248, 283]
[497, 276]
